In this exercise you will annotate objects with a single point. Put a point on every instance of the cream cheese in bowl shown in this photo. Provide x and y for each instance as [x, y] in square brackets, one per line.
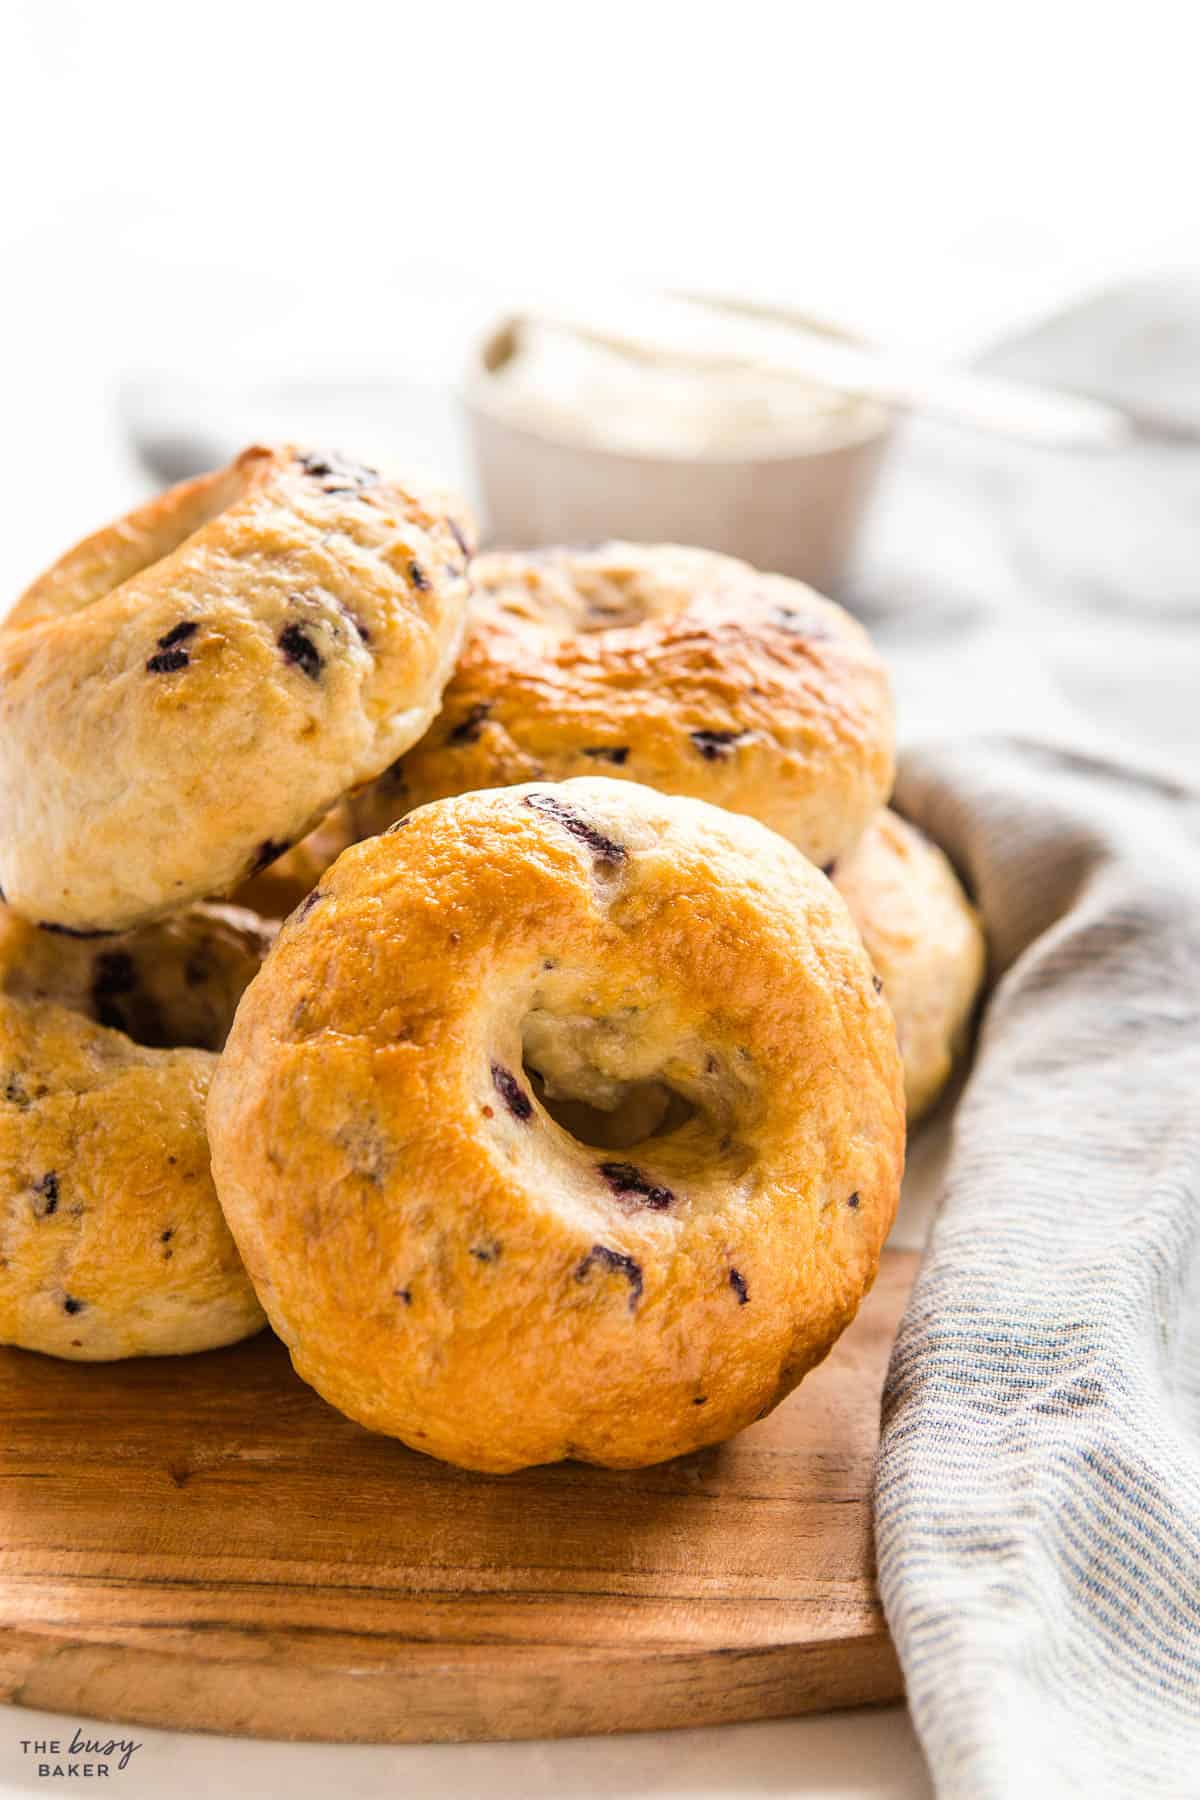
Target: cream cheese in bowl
[618, 397]
[584, 431]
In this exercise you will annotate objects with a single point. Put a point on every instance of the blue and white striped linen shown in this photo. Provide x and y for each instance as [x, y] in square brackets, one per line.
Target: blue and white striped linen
[1038, 1490]
[1038, 1497]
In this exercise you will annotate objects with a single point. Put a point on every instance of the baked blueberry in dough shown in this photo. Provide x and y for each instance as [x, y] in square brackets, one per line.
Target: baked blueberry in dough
[278, 887]
[679, 668]
[553, 1115]
[188, 692]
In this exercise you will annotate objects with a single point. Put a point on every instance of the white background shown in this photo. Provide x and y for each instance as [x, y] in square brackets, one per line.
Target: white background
[342, 185]
[282, 179]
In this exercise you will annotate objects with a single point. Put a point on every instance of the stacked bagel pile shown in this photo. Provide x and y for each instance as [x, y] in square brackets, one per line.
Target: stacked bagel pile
[564, 1113]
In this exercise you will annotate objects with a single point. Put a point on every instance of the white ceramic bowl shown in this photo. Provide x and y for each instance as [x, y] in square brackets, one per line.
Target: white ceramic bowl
[794, 509]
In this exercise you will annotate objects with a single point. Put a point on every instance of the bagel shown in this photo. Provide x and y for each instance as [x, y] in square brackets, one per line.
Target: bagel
[186, 693]
[926, 944]
[112, 1242]
[449, 1263]
[679, 668]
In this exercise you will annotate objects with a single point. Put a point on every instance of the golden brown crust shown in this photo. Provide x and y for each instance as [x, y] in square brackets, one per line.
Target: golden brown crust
[679, 668]
[446, 1262]
[191, 689]
[112, 1241]
[927, 945]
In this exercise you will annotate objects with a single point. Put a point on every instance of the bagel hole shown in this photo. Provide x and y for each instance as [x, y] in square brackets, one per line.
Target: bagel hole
[587, 614]
[642, 1110]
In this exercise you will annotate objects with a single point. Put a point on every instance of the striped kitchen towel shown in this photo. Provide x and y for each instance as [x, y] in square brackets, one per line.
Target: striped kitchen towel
[1038, 1492]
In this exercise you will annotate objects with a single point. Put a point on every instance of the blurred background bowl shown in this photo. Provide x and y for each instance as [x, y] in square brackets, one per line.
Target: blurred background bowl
[795, 508]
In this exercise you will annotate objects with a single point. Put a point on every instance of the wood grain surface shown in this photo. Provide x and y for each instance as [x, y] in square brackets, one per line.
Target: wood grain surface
[201, 1542]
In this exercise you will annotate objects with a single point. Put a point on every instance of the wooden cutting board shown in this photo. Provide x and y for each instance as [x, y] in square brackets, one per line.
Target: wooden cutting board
[203, 1543]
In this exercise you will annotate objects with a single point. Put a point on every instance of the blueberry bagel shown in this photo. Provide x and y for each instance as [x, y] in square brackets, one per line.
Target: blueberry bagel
[679, 668]
[926, 943]
[112, 1242]
[185, 694]
[401, 1136]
